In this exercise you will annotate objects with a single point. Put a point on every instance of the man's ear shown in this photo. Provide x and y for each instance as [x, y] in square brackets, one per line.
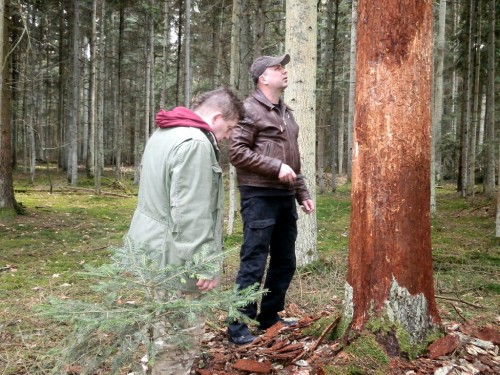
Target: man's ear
[216, 116]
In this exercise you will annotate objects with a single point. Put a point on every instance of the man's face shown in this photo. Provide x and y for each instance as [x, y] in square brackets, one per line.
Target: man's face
[222, 128]
[276, 76]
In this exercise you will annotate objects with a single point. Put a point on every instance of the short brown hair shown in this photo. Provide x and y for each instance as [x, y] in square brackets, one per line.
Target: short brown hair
[224, 100]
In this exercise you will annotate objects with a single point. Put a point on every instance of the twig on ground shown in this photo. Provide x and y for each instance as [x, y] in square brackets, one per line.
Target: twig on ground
[458, 312]
[320, 339]
[461, 301]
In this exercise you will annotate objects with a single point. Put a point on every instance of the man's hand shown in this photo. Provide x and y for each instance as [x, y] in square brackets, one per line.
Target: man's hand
[207, 284]
[307, 206]
[287, 174]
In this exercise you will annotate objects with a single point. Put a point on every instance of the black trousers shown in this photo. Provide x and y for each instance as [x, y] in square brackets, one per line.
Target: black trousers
[269, 230]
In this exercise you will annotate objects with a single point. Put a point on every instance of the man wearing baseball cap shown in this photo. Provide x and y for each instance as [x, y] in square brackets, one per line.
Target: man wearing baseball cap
[265, 151]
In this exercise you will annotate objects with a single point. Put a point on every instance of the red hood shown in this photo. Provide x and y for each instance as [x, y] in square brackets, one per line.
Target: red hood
[180, 116]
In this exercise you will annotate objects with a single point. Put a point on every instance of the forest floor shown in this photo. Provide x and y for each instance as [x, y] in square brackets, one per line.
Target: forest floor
[64, 228]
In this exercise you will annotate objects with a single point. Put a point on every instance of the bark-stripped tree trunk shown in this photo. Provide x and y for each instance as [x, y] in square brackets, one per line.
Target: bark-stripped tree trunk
[8, 203]
[390, 263]
[437, 113]
[301, 24]
[491, 144]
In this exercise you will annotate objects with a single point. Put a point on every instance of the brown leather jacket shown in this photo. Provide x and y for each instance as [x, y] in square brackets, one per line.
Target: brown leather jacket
[262, 141]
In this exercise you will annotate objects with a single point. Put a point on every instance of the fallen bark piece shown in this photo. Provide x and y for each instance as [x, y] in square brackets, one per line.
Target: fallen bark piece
[253, 366]
[489, 334]
[443, 346]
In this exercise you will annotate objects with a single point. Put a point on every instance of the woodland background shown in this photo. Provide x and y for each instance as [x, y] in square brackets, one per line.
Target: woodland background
[82, 83]
[87, 77]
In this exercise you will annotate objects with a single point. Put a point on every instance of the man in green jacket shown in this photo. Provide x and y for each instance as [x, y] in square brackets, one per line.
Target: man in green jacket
[180, 203]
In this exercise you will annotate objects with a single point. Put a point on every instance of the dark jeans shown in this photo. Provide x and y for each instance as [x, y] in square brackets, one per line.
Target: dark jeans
[269, 229]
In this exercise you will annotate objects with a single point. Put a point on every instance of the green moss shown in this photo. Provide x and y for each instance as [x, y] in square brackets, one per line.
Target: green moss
[364, 355]
[406, 346]
[319, 326]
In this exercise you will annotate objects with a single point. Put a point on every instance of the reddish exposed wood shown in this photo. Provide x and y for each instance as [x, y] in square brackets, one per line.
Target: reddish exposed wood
[390, 221]
[253, 366]
[443, 346]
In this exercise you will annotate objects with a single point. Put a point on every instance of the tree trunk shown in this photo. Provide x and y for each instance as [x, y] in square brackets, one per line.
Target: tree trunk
[437, 113]
[187, 53]
[166, 47]
[301, 24]
[335, 125]
[8, 202]
[179, 50]
[475, 103]
[75, 90]
[491, 144]
[92, 89]
[99, 130]
[325, 117]
[465, 137]
[119, 97]
[390, 262]
[234, 81]
[352, 83]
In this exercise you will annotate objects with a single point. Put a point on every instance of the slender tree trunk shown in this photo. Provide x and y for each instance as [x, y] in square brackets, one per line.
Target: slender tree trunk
[61, 120]
[8, 203]
[92, 96]
[437, 113]
[475, 103]
[325, 117]
[148, 75]
[390, 261]
[187, 54]
[491, 143]
[454, 77]
[467, 105]
[301, 24]
[234, 79]
[75, 90]
[119, 99]
[259, 28]
[99, 136]
[335, 140]
[166, 48]
[179, 50]
[352, 83]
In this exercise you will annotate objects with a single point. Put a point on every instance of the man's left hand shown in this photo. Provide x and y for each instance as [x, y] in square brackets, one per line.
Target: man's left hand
[307, 206]
[207, 284]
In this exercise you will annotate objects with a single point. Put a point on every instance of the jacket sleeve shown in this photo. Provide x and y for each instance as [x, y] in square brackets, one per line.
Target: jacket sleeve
[192, 199]
[302, 194]
[241, 153]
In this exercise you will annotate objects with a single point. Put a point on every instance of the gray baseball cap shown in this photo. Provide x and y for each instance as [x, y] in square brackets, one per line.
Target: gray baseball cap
[260, 64]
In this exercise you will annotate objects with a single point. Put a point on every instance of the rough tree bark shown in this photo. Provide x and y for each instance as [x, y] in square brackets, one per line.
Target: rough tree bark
[390, 263]
[489, 185]
[8, 203]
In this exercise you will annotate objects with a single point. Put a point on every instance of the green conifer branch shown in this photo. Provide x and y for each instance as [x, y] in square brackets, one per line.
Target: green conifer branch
[115, 325]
